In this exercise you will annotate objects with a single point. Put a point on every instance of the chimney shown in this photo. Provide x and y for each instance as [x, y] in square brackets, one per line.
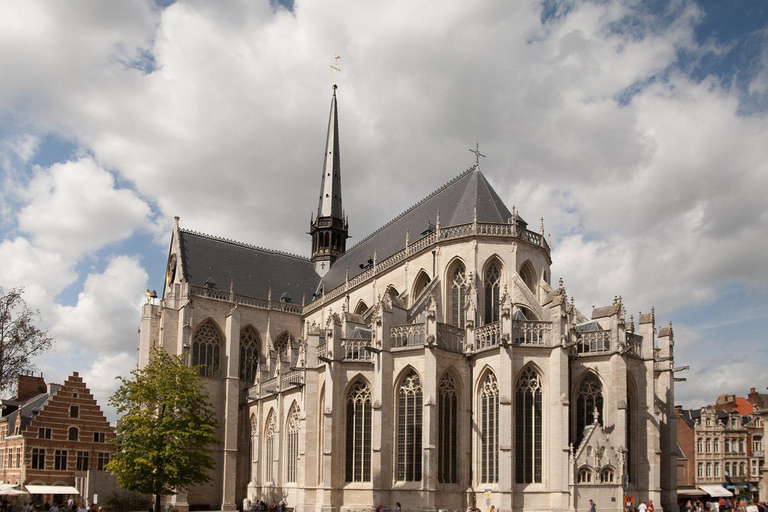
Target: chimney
[29, 386]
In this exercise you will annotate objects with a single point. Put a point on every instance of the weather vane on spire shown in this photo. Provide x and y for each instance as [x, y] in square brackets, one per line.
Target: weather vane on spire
[335, 68]
[477, 153]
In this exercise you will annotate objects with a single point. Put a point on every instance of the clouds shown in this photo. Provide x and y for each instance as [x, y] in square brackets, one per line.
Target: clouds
[76, 208]
[593, 115]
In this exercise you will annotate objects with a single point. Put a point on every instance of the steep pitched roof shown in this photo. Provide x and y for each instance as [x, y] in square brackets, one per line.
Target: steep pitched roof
[456, 201]
[253, 270]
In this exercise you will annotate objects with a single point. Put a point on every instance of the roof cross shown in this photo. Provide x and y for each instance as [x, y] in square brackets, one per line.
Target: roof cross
[335, 67]
[477, 153]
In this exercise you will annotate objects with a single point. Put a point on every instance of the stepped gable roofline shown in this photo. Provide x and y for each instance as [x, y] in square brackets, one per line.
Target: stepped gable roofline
[243, 244]
[406, 212]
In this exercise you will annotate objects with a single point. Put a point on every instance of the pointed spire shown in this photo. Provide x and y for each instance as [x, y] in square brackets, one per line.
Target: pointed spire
[330, 184]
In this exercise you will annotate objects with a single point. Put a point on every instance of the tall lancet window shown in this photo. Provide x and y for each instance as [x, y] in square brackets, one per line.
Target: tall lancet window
[269, 447]
[589, 398]
[292, 448]
[447, 424]
[206, 348]
[492, 280]
[409, 420]
[458, 296]
[358, 466]
[249, 354]
[528, 427]
[489, 430]
[630, 431]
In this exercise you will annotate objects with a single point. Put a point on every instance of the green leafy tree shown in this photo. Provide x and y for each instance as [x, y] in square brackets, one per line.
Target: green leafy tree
[165, 435]
[20, 340]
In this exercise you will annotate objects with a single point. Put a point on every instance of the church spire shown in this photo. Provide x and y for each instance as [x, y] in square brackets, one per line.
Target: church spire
[330, 183]
[329, 229]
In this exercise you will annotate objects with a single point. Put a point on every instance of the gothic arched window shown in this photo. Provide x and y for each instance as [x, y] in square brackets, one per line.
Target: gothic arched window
[292, 432]
[269, 447]
[283, 342]
[607, 476]
[458, 296]
[489, 430]
[361, 308]
[589, 398]
[584, 476]
[447, 425]
[249, 354]
[206, 348]
[492, 283]
[359, 433]
[528, 427]
[409, 421]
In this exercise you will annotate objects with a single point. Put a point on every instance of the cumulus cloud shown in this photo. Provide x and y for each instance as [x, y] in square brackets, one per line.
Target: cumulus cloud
[75, 208]
[105, 316]
[650, 180]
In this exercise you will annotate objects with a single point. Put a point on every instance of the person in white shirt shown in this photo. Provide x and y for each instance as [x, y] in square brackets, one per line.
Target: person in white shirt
[642, 507]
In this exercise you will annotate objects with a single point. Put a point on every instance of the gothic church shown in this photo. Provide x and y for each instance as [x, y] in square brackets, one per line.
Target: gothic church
[433, 364]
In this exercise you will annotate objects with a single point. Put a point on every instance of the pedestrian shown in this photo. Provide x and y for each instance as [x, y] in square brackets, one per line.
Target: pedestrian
[643, 507]
[282, 505]
[592, 506]
[650, 505]
[397, 507]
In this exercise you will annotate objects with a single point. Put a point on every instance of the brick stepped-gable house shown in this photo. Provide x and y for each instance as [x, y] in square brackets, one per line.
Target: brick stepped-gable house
[49, 432]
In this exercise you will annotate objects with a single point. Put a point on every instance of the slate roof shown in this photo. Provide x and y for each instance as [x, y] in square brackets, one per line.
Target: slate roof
[253, 269]
[455, 201]
[28, 410]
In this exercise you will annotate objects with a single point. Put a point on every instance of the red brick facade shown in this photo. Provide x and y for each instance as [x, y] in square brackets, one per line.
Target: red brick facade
[49, 436]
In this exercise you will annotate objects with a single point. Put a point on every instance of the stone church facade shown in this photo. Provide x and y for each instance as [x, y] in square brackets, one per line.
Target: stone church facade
[433, 364]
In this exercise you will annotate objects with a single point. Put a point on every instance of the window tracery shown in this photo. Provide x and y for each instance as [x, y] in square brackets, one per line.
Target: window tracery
[459, 287]
[448, 423]
[528, 427]
[250, 342]
[489, 429]
[358, 463]
[206, 348]
[269, 447]
[283, 342]
[292, 432]
[492, 287]
[589, 399]
[409, 424]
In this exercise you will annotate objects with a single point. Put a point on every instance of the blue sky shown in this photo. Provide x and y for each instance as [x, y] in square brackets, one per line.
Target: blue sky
[635, 129]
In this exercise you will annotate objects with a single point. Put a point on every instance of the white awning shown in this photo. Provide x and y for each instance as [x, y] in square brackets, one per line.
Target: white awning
[690, 492]
[716, 491]
[52, 489]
